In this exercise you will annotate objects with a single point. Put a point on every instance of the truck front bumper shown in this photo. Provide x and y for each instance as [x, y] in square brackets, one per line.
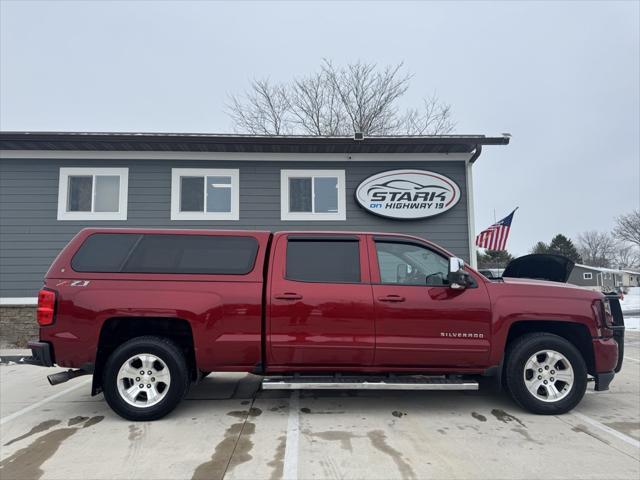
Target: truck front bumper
[608, 353]
[603, 380]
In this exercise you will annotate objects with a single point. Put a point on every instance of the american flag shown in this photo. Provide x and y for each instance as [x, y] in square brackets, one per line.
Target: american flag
[495, 237]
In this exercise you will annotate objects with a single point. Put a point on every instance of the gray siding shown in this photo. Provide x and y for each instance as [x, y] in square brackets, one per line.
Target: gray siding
[599, 279]
[31, 236]
[577, 277]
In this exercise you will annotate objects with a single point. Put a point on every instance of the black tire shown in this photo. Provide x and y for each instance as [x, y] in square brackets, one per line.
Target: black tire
[166, 351]
[519, 353]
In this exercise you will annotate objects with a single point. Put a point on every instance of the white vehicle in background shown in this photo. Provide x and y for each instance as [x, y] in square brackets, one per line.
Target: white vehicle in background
[492, 273]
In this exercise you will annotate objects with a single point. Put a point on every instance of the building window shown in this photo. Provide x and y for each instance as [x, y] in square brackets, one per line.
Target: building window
[205, 194]
[93, 193]
[312, 195]
[587, 276]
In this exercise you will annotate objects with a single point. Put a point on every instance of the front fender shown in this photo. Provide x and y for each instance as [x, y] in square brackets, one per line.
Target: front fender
[545, 305]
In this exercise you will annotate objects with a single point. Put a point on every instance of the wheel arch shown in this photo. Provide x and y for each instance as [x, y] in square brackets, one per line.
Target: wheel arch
[576, 333]
[116, 330]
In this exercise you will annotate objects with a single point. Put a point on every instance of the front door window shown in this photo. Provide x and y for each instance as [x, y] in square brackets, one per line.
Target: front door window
[410, 264]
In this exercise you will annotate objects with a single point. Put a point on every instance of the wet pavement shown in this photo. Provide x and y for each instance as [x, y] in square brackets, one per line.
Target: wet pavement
[228, 428]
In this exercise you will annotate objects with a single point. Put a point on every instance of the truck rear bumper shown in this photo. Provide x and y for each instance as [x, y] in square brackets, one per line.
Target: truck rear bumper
[41, 355]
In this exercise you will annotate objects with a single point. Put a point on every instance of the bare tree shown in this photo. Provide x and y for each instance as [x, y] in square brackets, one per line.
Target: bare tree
[628, 228]
[596, 248]
[369, 96]
[338, 101]
[626, 255]
[316, 106]
[435, 117]
[263, 110]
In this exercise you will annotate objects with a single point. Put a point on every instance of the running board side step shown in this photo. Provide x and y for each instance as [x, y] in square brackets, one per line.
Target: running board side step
[367, 383]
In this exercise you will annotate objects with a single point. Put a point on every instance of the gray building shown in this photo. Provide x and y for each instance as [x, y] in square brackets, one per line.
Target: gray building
[630, 278]
[605, 279]
[54, 184]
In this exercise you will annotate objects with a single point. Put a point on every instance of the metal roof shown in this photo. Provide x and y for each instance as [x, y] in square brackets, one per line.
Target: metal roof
[202, 142]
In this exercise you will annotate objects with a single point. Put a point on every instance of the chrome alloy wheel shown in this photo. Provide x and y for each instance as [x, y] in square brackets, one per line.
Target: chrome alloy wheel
[548, 375]
[143, 380]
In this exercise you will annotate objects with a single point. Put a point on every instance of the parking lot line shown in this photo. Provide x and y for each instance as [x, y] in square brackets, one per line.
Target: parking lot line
[42, 402]
[610, 431]
[632, 359]
[290, 467]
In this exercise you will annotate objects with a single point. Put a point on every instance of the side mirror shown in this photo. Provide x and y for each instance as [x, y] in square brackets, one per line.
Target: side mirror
[457, 277]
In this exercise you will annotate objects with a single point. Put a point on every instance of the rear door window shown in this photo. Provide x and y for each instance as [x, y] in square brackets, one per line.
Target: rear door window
[327, 261]
[170, 253]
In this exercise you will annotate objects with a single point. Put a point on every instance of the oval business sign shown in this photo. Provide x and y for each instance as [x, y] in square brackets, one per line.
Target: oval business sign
[408, 194]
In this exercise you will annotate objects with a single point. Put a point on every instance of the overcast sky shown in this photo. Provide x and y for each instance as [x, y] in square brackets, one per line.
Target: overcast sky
[562, 78]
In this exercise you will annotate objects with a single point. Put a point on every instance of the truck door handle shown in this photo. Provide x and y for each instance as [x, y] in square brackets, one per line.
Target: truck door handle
[288, 296]
[391, 298]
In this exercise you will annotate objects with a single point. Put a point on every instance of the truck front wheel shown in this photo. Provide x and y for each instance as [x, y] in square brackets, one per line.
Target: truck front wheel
[545, 373]
[145, 378]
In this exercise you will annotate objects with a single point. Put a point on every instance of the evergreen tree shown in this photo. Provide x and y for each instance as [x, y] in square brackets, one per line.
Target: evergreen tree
[561, 245]
[494, 258]
[540, 247]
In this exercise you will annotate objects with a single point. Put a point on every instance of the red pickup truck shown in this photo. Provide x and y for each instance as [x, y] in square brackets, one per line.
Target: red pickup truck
[149, 312]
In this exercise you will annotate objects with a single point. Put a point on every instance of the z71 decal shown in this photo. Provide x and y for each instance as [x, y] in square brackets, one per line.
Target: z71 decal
[74, 283]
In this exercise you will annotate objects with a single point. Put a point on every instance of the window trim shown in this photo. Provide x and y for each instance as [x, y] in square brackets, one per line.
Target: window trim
[63, 193]
[177, 173]
[589, 277]
[286, 215]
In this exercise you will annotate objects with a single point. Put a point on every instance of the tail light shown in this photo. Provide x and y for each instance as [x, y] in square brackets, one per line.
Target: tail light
[46, 307]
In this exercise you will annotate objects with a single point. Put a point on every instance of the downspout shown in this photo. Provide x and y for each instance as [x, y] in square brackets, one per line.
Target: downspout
[473, 259]
[476, 153]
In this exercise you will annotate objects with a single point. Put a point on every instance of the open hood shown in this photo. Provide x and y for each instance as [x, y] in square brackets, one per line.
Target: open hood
[543, 266]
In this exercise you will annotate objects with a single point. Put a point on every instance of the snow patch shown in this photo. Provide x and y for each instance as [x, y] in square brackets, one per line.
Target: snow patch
[632, 323]
[631, 300]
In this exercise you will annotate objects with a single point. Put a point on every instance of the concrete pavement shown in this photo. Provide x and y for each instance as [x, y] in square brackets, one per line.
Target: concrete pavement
[228, 428]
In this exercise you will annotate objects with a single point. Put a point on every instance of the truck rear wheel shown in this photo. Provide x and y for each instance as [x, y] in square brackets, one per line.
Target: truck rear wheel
[545, 373]
[145, 378]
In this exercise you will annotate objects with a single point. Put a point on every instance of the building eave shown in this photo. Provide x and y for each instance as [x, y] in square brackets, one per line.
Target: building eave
[201, 142]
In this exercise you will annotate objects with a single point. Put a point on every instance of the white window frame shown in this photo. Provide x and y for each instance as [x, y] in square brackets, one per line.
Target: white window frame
[285, 214]
[587, 276]
[177, 173]
[63, 193]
